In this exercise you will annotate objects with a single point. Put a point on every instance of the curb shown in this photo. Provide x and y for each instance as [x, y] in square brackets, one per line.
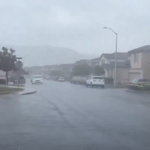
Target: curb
[28, 93]
[133, 91]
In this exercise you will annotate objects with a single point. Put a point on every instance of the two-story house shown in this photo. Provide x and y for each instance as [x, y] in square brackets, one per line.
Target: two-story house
[110, 58]
[123, 65]
[140, 62]
[92, 62]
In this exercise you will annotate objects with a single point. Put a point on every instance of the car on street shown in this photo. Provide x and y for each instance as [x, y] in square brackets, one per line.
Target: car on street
[140, 80]
[140, 84]
[61, 79]
[97, 81]
[37, 79]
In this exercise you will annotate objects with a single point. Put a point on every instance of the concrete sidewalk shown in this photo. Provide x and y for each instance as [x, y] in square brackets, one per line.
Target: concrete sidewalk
[26, 89]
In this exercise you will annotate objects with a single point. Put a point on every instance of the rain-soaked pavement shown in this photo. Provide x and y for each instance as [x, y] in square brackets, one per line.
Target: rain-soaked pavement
[62, 116]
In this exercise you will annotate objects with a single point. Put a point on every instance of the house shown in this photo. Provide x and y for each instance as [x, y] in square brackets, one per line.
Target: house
[110, 58]
[140, 62]
[131, 65]
[122, 66]
[33, 70]
[92, 62]
[65, 68]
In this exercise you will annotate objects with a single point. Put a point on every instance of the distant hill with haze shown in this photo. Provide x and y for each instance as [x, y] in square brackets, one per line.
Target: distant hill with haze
[48, 55]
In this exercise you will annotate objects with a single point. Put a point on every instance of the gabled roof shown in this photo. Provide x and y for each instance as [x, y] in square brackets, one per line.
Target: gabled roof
[120, 55]
[125, 64]
[95, 59]
[145, 48]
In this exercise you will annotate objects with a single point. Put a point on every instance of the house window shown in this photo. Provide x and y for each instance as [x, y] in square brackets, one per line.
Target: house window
[136, 57]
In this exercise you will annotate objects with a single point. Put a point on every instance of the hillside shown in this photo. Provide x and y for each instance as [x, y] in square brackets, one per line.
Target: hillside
[47, 55]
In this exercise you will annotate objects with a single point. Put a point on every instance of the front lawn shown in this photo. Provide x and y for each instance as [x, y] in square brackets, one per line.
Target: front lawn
[8, 90]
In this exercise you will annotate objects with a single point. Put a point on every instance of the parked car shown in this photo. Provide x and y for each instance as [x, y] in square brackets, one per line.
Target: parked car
[61, 79]
[140, 84]
[17, 80]
[37, 79]
[97, 81]
[21, 81]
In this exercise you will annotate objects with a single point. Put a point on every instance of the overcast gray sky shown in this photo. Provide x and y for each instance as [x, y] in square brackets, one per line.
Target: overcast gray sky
[76, 24]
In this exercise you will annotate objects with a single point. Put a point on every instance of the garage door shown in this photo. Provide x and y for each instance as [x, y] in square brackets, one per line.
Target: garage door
[134, 76]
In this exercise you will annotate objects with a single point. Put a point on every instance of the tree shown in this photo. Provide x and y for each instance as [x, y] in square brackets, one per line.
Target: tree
[56, 73]
[98, 71]
[23, 72]
[81, 70]
[7, 61]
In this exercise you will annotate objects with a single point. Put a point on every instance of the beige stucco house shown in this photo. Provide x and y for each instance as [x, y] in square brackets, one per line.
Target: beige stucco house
[92, 62]
[131, 65]
[140, 62]
[123, 65]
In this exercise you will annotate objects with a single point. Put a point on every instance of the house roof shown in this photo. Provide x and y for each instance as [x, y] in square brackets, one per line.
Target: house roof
[124, 64]
[95, 59]
[120, 55]
[145, 48]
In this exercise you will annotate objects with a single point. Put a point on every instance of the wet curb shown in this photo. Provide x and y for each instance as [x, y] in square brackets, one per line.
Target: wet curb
[28, 93]
[139, 92]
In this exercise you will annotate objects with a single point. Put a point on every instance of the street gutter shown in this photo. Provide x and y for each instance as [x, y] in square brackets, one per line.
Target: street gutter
[134, 91]
[28, 93]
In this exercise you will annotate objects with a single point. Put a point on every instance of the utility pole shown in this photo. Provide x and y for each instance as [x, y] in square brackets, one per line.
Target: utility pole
[115, 74]
[19, 65]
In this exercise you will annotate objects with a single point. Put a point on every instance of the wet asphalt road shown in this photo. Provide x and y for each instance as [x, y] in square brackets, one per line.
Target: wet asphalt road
[62, 116]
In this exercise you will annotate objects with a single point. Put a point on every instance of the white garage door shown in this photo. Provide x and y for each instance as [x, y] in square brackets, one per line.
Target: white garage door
[134, 76]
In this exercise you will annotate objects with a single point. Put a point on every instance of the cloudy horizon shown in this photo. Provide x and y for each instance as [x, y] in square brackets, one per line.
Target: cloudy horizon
[76, 24]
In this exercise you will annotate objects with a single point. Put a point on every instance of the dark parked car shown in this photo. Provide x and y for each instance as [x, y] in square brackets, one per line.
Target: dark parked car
[15, 80]
[22, 81]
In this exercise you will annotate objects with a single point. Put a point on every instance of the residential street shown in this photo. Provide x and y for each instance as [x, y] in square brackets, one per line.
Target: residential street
[64, 116]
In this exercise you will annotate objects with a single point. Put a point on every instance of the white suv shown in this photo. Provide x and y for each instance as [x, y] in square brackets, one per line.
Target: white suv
[37, 79]
[95, 81]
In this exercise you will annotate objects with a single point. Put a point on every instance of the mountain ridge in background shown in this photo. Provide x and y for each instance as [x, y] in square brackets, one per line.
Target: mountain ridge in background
[47, 55]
